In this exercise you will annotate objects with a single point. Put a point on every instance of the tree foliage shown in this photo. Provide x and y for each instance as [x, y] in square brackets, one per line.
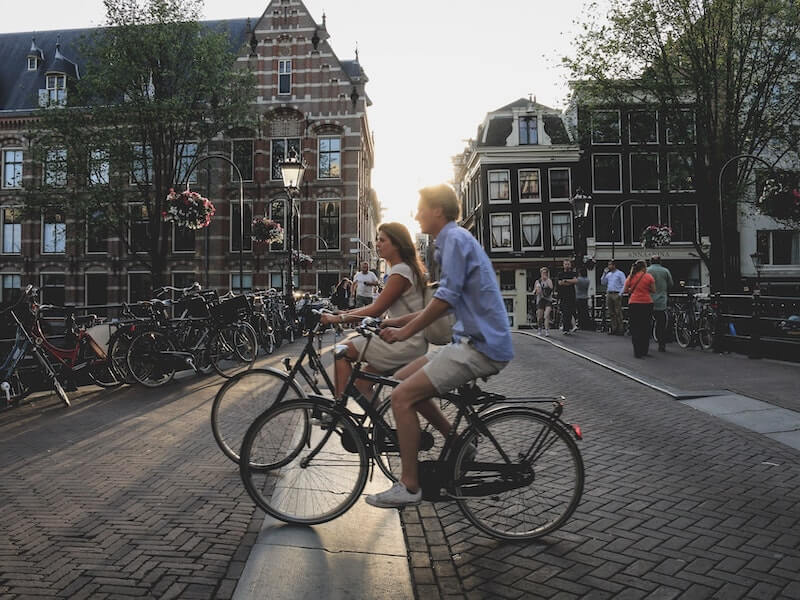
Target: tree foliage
[155, 79]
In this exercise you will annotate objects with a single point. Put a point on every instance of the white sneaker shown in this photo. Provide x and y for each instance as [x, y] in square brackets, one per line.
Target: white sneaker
[396, 496]
[546, 333]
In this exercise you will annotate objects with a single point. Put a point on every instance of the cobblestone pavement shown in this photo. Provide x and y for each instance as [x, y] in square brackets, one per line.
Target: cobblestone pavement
[123, 495]
[677, 504]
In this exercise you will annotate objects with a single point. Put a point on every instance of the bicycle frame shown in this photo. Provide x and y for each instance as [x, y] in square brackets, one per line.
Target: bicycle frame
[68, 357]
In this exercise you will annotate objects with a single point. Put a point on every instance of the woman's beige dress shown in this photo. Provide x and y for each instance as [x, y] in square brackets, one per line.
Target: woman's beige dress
[384, 357]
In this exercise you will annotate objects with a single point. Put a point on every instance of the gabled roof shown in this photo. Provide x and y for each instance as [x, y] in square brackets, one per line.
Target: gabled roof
[524, 103]
[19, 88]
[498, 124]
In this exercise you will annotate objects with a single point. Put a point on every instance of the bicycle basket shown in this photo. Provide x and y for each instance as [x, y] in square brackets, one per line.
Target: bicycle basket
[230, 311]
[195, 306]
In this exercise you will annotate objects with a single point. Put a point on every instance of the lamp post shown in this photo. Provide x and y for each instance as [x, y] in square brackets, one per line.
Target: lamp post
[755, 323]
[580, 210]
[292, 169]
[729, 162]
[197, 161]
[613, 216]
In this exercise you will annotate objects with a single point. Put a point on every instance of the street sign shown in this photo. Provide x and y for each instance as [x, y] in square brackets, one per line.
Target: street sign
[355, 250]
[355, 239]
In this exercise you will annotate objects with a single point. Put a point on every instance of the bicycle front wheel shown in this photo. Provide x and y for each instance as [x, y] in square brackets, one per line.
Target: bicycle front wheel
[706, 331]
[526, 477]
[150, 359]
[323, 480]
[683, 330]
[233, 349]
[241, 399]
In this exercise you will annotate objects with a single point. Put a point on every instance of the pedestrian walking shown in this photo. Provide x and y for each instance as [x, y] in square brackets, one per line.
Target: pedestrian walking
[640, 285]
[566, 296]
[543, 292]
[582, 300]
[614, 280]
[365, 283]
[663, 279]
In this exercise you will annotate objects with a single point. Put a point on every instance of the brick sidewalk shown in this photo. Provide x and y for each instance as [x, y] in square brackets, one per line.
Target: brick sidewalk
[676, 504]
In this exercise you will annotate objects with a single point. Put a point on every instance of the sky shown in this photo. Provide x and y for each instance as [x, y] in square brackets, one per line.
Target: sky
[435, 69]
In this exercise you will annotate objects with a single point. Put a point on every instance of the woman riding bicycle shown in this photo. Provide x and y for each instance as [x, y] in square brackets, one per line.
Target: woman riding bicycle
[402, 295]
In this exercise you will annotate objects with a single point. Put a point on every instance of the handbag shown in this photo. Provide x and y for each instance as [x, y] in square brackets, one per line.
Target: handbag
[440, 332]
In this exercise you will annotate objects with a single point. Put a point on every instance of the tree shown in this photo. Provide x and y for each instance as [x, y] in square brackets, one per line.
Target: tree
[158, 87]
[736, 61]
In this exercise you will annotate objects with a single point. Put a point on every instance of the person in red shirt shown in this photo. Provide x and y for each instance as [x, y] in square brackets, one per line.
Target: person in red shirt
[640, 285]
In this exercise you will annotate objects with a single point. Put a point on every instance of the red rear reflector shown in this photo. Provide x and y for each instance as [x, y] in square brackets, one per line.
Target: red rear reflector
[577, 430]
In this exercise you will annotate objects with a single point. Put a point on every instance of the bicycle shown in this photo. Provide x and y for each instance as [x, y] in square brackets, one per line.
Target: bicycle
[515, 471]
[693, 323]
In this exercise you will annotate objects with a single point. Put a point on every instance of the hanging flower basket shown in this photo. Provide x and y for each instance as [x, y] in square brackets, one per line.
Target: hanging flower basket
[188, 209]
[780, 199]
[302, 259]
[266, 231]
[654, 236]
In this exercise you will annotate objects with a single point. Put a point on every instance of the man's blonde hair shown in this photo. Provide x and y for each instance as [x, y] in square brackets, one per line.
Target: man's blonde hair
[444, 197]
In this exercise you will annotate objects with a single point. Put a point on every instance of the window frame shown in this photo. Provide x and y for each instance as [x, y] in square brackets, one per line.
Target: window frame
[669, 178]
[18, 223]
[329, 152]
[668, 128]
[283, 72]
[180, 158]
[494, 248]
[235, 206]
[522, 234]
[272, 141]
[128, 281]
[592, 129]
[550, 196]
[104, 163]
[147, 164]
[252, 158]
[89, 220]
[658, 172]
[320, 247]
[621, 230]
[35, 62]
[769, 259]
[86, 276]
[538, 172]
[636, 237]
[270, 213]
[527, 119]
[654, 112]
[489, 186]
[571, 230]
[42, 275]
[55, 239]
[244, 288]
[594, 179]
[175, 237]
[57, 94]
[5, 164]
[696, 223]
[142, 209]
[50, 176]
[3, 275]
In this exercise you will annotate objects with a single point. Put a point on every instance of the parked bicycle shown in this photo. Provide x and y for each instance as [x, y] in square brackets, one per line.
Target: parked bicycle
[515, 470]
[693, 323]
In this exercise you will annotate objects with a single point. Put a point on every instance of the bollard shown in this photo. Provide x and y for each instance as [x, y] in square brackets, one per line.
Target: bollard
[718, 335]
[755, 325]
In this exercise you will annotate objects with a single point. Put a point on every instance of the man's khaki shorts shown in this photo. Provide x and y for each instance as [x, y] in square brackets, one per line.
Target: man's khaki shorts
[456, 364]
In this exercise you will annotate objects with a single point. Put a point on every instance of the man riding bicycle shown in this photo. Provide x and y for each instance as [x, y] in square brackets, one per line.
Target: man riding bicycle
[481, 342]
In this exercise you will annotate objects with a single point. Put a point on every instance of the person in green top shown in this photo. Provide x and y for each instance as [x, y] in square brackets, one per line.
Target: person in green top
[663, 283]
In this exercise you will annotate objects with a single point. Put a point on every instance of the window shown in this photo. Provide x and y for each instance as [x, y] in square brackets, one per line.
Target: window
[560, 184]
[561, 229]
[644, 172]
[276, 281]
[680, 172]
[56, 89]
[606, 173]
[236, 226]
[499, 186]
[182, 279]
[55, 167]
[33, 63]
[284, 76]
[11, 289]
[142, 169]
[643, 127]
[52, 288]
[98, 167]
[96, 289]
[12, 230]
[183, 239]
[12, 169]
[779, 247]
[246, 282]
[328, 212]
[54, 233]
[140, 228]
[277, 212]
[185, 153]
[140, 287]
[601, 217]
[528, 131]
[531, 228]
[641, 218]
[680, 126]
[605, 127]
[529, 185]
[683, 221]
[96, 233]
[500, 224]
[280, 150]
[507, 279]
[330, 158]
[242, 157]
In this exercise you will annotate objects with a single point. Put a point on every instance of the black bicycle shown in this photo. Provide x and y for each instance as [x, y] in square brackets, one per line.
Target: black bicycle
[515, 470]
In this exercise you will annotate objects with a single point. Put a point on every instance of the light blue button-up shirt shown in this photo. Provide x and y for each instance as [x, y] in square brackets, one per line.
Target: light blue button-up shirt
[469, 285]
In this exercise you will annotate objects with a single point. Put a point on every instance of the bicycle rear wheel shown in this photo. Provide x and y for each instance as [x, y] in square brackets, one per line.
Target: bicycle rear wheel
[533, 495]
[241, 399]
[705, 331]
[233, 349]
[683, 330]
[322, 480]
[150, 359]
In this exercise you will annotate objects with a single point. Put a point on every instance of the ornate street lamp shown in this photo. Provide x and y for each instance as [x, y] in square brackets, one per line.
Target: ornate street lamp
[292, 169]
[580, 210]
[757, 262]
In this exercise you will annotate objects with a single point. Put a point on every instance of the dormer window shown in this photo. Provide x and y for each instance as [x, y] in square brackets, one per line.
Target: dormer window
[56, 89]
[528, 131]
[33, 63]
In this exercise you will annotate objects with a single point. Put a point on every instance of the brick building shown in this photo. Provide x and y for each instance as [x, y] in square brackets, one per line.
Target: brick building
[308, 100]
